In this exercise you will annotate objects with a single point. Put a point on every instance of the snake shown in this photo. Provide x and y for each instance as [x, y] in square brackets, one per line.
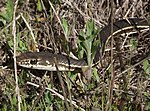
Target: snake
[53, 62]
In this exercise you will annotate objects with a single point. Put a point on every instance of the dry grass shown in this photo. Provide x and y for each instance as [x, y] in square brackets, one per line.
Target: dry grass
[54, 26]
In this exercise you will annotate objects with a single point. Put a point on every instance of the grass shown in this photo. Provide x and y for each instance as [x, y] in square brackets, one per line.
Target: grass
[57, 27]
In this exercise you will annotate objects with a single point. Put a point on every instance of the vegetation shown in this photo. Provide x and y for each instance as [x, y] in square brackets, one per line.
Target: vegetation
[62, 26]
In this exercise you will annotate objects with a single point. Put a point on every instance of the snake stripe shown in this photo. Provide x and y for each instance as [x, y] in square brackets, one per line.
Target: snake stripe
[46, 61]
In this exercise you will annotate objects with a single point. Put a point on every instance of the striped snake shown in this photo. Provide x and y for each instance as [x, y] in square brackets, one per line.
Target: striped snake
[49, 61]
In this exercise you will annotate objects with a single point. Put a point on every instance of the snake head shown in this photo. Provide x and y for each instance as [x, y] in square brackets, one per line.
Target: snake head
[27, 59]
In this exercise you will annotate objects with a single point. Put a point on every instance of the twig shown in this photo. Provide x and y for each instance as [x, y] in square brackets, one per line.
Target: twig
[49, 28]
[38, 98]
[57, 94]
[59, 21]
[62, 84]
[29, 27]
[15, 65]
[148, 57]
[69, 92]
[109, 108]
[123, 95]
[86, 16]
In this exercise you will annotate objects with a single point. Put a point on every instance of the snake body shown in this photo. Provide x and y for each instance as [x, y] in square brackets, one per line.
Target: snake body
[120, 27]
[49, 61]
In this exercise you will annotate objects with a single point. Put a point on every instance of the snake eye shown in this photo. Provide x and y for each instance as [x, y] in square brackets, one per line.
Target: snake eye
[33, 61]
